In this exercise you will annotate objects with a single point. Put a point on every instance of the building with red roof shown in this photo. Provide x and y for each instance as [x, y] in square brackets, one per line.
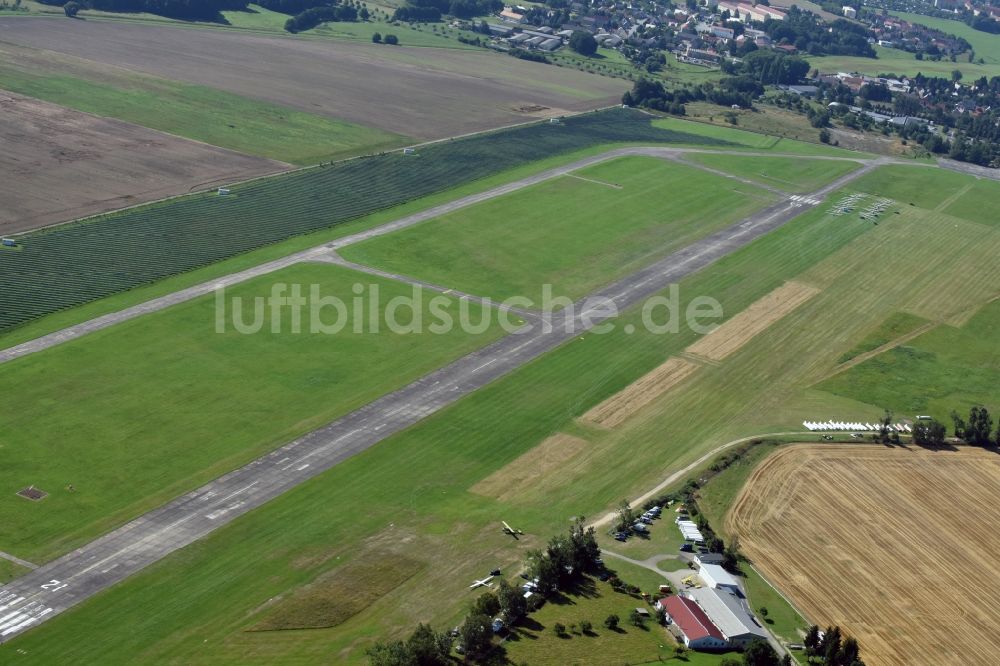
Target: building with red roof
[698, 631]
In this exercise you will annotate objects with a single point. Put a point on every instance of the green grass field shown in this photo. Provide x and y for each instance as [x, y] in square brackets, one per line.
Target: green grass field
[410, 494]
[539, 644]
[140, 413]
[986, 46]
[195, 112]
[948, 368]
[576, 232]
[791, 176]
[756, 141]
[412, 489]
[901, 63]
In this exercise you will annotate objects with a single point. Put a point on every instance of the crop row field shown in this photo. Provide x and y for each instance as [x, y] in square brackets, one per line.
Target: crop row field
[208, 115]
[892, 544]
[427, 93]
[123, 250]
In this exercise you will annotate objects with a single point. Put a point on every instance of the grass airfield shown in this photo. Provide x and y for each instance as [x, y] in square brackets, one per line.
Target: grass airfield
[577, 232]
[410, 505]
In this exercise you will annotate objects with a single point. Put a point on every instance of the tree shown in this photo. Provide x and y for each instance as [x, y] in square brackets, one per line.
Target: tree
[476, 635]
[512, 602]
[390, 654]
[611, 622]
[830, 647]
[849, 652]
[586, 627]
[979, 429]
[71, 9]
[391, 39]
[486, 604]
[824, 135]
[956, 75]
[364, 14]
[625, 517]
[635, 617]
[812, 640]
[929, 433]
[760, 653]
[377, 37]
[559, 628]
[731, 555]
[427, 647]
[763, 611]
[661, 616]
[583, 43]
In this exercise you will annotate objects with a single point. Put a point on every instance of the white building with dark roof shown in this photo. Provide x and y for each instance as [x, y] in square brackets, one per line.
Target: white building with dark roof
[729, 614]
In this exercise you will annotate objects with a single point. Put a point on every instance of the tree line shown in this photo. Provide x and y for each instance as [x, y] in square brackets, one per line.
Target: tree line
[561, 565]
[310, 18]
[831, 647]
[428, 11]
[192, 10]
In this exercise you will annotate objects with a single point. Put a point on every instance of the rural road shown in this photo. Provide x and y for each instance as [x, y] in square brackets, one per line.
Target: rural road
[69, 580]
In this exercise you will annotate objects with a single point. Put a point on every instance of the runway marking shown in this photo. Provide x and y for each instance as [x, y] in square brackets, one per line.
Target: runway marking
[237, 492]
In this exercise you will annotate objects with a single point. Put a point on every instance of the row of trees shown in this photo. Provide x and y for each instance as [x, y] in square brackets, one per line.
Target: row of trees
[832, 648]
[311, 18]
[565, 560]
[192, 10]
[977, 429]
[429, 11]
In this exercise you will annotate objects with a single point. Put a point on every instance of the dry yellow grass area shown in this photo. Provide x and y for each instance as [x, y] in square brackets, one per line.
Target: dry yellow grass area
[897, 546]
[530, 469]
[742, 328]
[613, 411]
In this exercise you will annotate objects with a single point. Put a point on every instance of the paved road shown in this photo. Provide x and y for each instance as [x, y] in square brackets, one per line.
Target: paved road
[62, 583]
[205, 288]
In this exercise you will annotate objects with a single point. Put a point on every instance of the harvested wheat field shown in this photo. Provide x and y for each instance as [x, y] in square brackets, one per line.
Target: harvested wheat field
[59, 164]
[741, 328]
[613, 411]
[897, 546]
[532, 468]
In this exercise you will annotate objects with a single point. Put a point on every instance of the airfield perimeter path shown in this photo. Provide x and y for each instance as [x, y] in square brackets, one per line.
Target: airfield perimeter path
[66, 581]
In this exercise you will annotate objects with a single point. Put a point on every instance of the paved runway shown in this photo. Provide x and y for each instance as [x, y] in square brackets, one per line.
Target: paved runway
[59, 585]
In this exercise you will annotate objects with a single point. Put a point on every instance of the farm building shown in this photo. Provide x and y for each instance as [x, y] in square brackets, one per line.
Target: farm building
[714, 575]
[696, 628]
[702, 559]
[550, 44]
[729, 615]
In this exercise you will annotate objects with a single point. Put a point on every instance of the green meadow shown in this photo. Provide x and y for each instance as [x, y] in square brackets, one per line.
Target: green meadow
[120, 421]
[413, 498]
[791, 176]
[576, 232]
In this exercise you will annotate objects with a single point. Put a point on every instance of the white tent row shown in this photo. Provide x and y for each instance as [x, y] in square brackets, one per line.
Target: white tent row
[853, 426]
[690, 531]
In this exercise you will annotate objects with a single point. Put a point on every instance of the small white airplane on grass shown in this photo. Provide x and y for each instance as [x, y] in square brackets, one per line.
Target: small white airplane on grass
[510, 530]
[486, 582]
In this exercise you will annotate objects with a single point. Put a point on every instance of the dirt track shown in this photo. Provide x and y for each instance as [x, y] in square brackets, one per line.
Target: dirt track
[428, 93]
[59, 164]
[897, 546]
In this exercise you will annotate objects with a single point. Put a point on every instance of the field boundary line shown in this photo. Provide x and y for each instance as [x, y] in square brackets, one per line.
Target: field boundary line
[892, 344]
[17, 560]
[677, 475]
[953, 198]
